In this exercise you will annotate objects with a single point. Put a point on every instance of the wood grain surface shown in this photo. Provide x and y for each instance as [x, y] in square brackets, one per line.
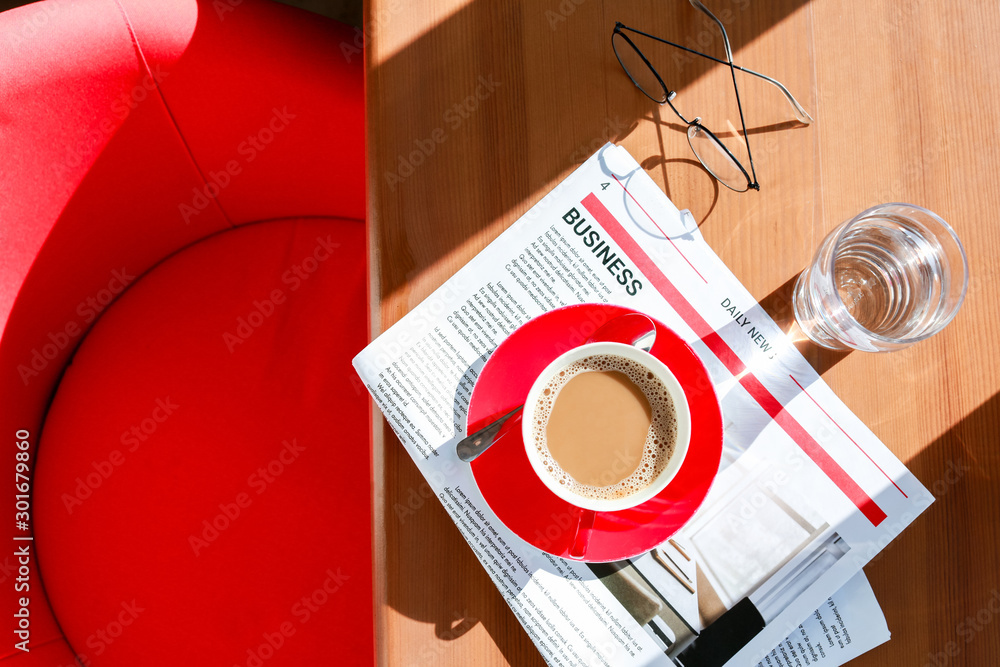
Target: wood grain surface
[476, 108]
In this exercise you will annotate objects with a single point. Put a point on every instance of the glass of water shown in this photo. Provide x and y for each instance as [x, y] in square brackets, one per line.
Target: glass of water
[892, 276]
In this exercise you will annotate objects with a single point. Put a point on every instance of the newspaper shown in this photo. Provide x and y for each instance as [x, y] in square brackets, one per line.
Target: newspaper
[805, 496]
[849, 624]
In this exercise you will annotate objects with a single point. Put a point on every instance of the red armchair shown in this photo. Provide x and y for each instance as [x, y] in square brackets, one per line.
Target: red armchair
[181, 292]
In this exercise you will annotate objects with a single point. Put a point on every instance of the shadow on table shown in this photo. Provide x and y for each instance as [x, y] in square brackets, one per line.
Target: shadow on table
[471, 117]
[434, 577]
[937, 578]
[778, 304]
[453, 592]
[688, 163]
[446, 111]
[664, 164]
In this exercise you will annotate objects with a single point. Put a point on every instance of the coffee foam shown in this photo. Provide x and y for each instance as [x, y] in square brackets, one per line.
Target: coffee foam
[660, 440]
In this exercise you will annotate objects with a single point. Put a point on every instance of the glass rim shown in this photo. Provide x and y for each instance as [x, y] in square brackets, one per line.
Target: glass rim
[844, 227]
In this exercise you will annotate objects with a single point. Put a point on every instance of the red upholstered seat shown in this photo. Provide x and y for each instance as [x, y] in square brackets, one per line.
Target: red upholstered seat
[197, 467]
[213, 375]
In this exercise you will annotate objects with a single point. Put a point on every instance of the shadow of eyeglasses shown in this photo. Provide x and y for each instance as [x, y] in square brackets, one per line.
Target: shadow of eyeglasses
[760, 129]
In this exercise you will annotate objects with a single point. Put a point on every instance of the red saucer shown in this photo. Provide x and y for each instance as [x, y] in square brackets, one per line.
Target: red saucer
[522, 502]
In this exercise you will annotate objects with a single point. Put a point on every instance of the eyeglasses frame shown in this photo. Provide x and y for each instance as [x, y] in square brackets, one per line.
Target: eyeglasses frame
[669, 95]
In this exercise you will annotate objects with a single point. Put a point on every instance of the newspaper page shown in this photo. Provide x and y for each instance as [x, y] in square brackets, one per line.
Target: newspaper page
[805, 496]
[847, 625]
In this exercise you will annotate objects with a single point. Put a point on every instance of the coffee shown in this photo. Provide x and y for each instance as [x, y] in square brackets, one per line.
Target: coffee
[605, 427]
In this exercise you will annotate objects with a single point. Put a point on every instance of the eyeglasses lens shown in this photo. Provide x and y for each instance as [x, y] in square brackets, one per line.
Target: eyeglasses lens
[717, 159]
[638, 69]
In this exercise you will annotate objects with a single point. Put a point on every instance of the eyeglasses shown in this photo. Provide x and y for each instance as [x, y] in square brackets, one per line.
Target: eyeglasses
[708, 148]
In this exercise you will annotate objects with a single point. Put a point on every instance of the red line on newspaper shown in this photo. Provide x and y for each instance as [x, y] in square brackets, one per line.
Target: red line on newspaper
[731, 360]
[658, 228]
[847, 434]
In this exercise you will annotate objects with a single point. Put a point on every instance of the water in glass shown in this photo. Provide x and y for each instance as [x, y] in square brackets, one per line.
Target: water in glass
[889, 276]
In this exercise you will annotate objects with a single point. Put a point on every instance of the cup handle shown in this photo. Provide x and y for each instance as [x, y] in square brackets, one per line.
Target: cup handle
[584, 526]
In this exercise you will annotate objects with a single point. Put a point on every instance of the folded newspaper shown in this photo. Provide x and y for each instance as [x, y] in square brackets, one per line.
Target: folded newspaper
[768, 571]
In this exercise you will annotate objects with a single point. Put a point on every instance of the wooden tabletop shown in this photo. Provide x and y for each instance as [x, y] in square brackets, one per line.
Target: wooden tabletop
[476, 108]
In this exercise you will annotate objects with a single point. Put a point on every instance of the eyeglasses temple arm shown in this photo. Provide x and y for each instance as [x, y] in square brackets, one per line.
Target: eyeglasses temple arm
[725, 38]
[800, 113]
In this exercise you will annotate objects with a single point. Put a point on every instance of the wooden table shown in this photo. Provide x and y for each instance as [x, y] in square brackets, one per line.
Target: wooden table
[477, 108]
